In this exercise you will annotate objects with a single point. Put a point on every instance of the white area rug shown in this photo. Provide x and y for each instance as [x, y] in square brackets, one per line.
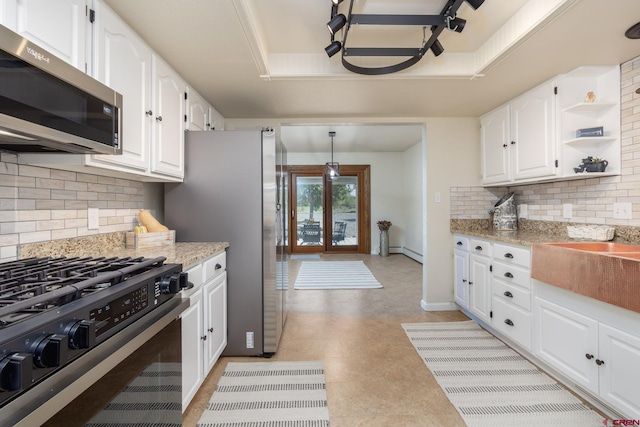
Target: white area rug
[490, 384]
[335, 275]
[269, 394]
[152, 398]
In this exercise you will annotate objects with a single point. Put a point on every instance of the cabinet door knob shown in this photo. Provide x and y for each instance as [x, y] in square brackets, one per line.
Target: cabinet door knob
[504, 145]
[464, 280]
[508, 322]
[478, 248]
[508, 255]
[509, 275]
[588, 356]
[218, 266]
[459, 243]
[513, 142]
[508, 294]
[148, 113]
[599, 362]
[159, 119]
[210, 329]
[203, 338]
[470, 282]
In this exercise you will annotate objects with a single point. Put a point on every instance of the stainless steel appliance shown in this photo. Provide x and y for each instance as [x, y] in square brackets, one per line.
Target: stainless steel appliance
[63, 318]
[49, 106]
[234, 190]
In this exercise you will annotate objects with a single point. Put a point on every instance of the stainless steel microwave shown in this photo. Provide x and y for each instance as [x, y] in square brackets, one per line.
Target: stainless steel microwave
[49, 106]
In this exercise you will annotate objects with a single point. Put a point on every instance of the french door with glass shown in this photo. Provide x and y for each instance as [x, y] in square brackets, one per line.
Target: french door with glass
[330, 216]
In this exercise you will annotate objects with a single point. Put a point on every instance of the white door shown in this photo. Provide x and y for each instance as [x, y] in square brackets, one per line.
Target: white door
[532, 131]
[495, 142]
[58, 26]
[197, 111]
[568, 341]
[479, 288]
[619, 358]
[215, 320]
[192, 349]
[461, 273]
[122, 61]
[167, 145]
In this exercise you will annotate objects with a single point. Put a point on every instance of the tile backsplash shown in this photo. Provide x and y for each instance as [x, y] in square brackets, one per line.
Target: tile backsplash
[40, 204]
[592, 199]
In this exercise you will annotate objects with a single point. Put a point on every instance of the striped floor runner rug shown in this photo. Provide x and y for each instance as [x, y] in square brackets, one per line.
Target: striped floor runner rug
[269, 394]
[490, 384]
[154, 398]
[335, 275]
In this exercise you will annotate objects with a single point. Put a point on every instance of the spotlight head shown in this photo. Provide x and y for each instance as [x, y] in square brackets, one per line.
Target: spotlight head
[475, 3]
[336, 23]
[336, 2]
[437, 48]
[456, 24]
[333, 48]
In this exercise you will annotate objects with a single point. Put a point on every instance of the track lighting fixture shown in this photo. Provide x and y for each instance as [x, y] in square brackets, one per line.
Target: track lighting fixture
[333, 48]
[336, 23]
[447, 19]
[437, 48]
[475, 4]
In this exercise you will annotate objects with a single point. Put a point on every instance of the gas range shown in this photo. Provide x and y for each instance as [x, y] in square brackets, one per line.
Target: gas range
[54, 310]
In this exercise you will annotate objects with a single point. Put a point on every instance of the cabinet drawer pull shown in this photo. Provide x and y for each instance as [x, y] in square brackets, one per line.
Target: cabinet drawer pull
[508, 255]
[218, 266]
[478, 248]
[508, 322]
[599, 362]
[509, 275]
[459, 243]
[508, 294]
[588, 356]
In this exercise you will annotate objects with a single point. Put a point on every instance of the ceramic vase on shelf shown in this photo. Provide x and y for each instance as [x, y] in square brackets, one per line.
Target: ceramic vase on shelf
[384, 242]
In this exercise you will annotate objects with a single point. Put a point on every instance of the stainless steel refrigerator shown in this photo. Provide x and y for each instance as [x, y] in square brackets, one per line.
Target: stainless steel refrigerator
[234, 190]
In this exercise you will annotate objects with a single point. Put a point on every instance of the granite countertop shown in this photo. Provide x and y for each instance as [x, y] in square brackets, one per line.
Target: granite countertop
[530, 232]
[113, 245]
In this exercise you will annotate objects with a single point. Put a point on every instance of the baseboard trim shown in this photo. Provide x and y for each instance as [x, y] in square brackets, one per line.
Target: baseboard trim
[412, 254]
[440, 306]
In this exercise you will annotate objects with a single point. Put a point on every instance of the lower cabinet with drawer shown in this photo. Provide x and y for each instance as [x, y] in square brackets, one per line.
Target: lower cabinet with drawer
[204, 323]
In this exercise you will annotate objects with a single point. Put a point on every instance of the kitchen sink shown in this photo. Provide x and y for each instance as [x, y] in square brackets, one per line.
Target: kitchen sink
[598, 246]
[606, 271]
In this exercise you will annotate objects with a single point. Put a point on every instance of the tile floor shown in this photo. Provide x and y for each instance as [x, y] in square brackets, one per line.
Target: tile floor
[374, 376]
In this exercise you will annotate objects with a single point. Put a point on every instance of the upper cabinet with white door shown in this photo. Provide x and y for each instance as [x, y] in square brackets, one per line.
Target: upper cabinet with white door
[534, 137]
[59, 26]
[517, 138]
[200, 114]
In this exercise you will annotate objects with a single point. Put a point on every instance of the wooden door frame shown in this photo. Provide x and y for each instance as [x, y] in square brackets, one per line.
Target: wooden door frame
[364, 202]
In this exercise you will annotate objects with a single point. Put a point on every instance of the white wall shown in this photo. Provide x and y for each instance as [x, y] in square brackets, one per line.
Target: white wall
[453, 150]
[388, 196]
[413, 161]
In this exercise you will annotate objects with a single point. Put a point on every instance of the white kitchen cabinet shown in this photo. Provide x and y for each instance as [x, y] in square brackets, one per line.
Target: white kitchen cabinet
[200, 114]
[167, 146]
[480, 279]
[595, 345]
[461, 271]
[216, 121]
[59, 26]
[204, 324]
[518, 138]
[575, 113]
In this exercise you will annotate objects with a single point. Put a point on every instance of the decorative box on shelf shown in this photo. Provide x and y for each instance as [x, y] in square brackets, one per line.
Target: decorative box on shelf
[601, 233]
[590, 132]
[149, 240]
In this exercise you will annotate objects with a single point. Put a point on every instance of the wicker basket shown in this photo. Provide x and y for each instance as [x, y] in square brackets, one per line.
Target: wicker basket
[601, 233]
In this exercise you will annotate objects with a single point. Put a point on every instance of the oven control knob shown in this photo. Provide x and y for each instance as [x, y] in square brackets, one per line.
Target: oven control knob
[15, 371]
[82, 334]
[51, 351]
[174, 283]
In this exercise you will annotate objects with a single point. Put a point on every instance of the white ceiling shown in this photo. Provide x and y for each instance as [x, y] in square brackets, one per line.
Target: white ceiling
[266, 59]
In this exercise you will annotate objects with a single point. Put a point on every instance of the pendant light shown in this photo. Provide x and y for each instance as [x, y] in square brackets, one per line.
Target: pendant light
[333, 168]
